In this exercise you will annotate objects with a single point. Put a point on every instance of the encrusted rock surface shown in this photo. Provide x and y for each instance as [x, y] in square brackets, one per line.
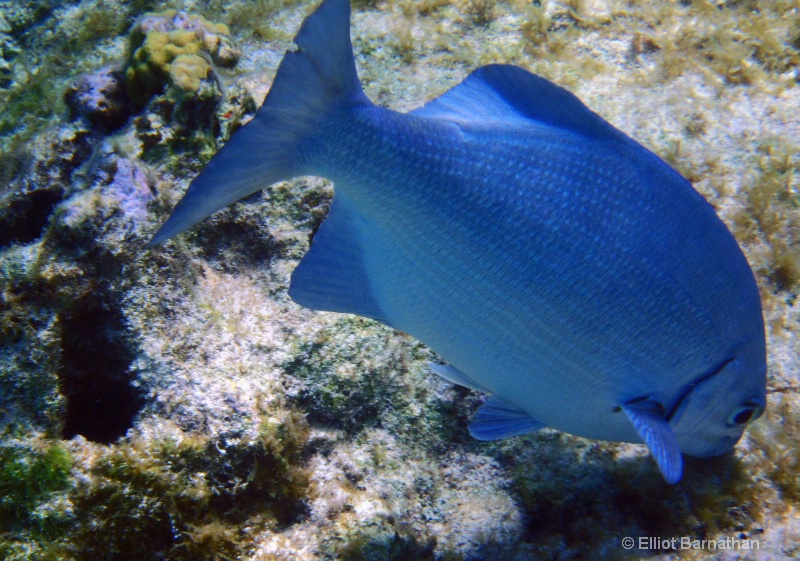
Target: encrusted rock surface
[174, 403]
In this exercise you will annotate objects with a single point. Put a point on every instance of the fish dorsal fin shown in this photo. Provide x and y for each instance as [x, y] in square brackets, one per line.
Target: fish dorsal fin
[501, 94]
[498, 418]
[332, 275]
[455, 376]
[648, 419]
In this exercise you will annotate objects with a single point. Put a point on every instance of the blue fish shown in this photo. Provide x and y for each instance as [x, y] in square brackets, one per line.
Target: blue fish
[555, 263]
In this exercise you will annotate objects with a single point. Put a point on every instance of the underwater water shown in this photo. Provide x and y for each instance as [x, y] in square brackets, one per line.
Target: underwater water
[174, 403]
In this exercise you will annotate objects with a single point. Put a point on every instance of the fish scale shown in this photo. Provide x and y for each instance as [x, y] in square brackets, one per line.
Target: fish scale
[386, 198]
[428, 291]
[556, 264]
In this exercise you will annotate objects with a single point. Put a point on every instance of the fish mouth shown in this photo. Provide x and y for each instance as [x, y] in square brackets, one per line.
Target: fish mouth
[726, 445]
[674, 414]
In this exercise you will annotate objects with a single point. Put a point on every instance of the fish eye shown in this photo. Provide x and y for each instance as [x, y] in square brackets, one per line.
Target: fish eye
[745, 413]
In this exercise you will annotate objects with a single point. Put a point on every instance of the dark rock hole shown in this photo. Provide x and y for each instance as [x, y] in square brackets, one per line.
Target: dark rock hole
[24, 217]
[95, 373]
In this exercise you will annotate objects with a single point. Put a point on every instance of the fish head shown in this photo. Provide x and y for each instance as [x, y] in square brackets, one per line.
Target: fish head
[711, 415]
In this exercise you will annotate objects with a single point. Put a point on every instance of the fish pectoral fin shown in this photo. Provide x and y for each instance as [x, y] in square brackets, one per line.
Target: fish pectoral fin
[455, 376]
[501, 94]
[332, 276]
[648, 419]
[498, 418]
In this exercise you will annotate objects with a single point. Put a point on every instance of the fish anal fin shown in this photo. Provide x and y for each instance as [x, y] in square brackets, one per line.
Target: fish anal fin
[332, 276]
[647, 417]
[498, 418]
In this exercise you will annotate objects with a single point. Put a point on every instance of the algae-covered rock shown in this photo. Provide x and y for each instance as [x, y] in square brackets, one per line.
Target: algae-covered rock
[174, 403]
[40, 182]
[30, 473]
[100, 97]
[8, 52]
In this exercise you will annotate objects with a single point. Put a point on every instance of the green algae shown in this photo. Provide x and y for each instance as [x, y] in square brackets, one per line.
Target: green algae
[771, 213]
[184, 494]
[33, 475]
[253, 18]
[27, 478]
[481, 12]
[384, 540]
[54, 44]
[370, 383]
[777, 447]
[574, 485]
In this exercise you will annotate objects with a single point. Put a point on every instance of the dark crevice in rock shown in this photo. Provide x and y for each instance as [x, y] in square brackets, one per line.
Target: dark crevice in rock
[32, 188]
[95, 372]
[23, 220]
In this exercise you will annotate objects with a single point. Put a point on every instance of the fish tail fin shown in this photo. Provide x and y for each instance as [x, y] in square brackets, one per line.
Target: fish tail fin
[319, 75]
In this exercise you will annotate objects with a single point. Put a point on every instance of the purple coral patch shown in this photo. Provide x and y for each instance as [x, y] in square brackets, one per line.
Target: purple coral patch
[100, 98]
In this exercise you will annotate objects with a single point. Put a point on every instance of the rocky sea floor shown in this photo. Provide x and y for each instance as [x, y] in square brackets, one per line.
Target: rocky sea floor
[174, 403]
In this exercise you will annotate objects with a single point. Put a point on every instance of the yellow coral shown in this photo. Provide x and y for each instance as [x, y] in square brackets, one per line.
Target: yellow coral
[187, 71]
[184, 38]
[152, 51]
[160, 40]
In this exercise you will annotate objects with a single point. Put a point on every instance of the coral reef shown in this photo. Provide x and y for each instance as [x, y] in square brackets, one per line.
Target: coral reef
[173, 403]
[167, 48]
[100, 98]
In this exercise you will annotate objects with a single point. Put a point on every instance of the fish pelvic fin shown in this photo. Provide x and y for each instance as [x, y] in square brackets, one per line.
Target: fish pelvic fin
[455, 376]
[498, 418]
[312, 80]
[647, 417]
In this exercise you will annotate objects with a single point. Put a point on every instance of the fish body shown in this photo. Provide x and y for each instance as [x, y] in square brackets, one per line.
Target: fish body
[550, 259]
